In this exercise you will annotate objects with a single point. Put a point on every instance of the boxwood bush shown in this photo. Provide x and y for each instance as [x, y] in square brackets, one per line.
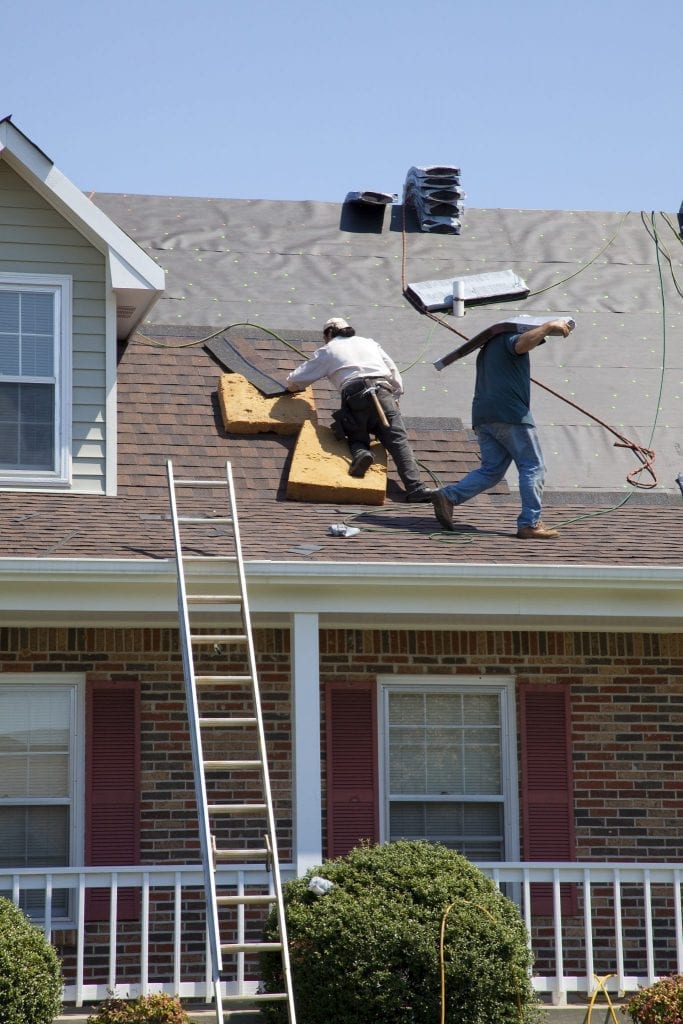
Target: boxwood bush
[660, 1003]
[30, 972]
[157, 1008]
[369, 950]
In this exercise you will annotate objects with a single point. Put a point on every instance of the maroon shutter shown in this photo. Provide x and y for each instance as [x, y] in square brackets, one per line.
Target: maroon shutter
[112, 789]
[352, 794]
[547, 785]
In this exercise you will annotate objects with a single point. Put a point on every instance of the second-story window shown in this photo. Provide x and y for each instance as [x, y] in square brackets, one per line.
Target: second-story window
[34, 352]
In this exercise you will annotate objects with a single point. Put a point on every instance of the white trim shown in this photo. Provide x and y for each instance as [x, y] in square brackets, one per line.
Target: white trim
[111, 395]
[504, 687]
[306, 769]
[61, 286]
[642, 598]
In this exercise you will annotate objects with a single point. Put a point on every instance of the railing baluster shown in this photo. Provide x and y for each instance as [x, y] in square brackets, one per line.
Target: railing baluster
[560, 994]
[113, 911]
[618, 930]
[647, 892]
[80, 938]
[177, 933]
[144, 937]
[588, 928]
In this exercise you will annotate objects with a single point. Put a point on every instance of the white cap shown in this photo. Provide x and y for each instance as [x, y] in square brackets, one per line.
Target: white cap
[337, 322]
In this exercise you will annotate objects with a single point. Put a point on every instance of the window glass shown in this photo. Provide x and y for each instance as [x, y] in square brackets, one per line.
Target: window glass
[444, 758]
[28, 382]
[37, 784]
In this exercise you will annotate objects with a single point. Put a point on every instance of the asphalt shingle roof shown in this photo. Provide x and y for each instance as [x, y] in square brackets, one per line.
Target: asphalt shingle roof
[168, 410]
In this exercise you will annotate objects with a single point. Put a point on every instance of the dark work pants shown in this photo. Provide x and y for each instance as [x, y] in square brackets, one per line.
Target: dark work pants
[360, 422]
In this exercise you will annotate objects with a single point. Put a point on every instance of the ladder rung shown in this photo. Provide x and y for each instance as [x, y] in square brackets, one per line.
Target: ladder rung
[217, 638]
[225, 723]
[255, 997]
[205, 520]
[249, 947]
[237, 808]
[258, 899]
[212, 598]
[220, 680]
[199, 483]
[209, 558]
[216, 766]
[246, 853]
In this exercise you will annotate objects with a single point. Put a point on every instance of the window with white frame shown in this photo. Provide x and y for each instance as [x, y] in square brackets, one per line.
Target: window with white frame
[450, 766]
[35, 359]
[41, 799]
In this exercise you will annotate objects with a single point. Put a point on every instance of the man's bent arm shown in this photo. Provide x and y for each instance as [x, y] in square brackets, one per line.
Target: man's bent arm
[537, 335]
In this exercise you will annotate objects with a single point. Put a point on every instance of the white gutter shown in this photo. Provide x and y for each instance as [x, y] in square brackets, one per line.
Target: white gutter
[438, 595]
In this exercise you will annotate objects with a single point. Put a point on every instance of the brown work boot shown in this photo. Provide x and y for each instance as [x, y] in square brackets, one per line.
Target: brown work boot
[443, 509]
[539, 531]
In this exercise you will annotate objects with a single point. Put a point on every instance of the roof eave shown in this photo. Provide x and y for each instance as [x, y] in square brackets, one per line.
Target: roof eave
[442, 596]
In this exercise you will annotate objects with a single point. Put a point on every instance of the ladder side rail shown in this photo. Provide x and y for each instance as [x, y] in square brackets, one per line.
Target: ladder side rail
[196, 745]
[277, 881]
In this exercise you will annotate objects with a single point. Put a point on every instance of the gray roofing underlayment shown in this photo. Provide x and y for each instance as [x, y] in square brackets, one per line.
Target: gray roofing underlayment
[288, 266]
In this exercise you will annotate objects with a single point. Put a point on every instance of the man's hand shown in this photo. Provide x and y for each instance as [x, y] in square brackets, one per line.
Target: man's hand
[557, 327]
[537, 335]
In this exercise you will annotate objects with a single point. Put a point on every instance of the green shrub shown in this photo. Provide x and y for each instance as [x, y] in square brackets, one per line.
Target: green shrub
[30, 972]
[661, 1003]
[368, 951]
[154, 1009]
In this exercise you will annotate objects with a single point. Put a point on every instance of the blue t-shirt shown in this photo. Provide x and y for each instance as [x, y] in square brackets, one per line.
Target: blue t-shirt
[502, 392]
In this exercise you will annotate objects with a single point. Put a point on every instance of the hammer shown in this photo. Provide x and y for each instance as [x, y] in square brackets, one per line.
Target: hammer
[372, 391]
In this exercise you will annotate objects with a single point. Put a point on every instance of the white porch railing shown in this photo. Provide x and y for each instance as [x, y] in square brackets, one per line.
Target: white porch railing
[625, 921]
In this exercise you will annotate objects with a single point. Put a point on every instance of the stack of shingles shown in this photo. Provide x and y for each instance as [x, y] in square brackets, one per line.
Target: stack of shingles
[436, 196]
[320, 462]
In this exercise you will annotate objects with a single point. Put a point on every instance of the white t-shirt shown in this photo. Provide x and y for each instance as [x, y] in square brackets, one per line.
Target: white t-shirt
[345, 359]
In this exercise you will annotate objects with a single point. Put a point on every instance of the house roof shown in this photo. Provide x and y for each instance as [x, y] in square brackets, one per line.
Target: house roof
[287, 267]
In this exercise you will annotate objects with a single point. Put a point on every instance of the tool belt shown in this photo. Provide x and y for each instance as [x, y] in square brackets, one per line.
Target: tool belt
[362, 385]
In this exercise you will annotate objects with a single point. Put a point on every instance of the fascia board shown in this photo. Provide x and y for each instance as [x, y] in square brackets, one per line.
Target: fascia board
[39, 171]
[641, 598]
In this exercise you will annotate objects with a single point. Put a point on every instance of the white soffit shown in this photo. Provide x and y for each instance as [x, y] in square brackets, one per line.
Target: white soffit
[135, 278]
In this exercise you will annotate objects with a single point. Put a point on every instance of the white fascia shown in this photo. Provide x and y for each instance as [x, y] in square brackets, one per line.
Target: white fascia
[439, 596]
[135, 278]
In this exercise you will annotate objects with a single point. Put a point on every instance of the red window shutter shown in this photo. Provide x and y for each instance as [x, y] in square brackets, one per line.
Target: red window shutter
[112, 789]
[547, 785]
[352, 792]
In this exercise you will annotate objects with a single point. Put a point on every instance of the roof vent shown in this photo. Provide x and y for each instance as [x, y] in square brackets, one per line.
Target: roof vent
[436, 195]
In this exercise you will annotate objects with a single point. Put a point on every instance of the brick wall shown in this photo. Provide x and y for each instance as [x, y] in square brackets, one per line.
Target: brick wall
[627, 725]
[627, 715]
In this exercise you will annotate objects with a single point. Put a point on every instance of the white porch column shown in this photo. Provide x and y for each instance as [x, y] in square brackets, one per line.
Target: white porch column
[306, 727]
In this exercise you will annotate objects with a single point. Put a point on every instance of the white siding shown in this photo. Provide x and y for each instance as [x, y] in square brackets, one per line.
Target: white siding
[35, 239]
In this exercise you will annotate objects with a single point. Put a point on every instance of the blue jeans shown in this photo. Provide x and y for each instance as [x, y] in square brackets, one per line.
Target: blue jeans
[500, 445]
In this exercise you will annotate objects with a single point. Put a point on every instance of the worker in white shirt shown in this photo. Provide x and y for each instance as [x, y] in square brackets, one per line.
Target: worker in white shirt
[370, 385]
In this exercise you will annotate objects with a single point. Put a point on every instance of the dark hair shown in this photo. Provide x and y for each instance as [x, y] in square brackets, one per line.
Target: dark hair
[339, 332]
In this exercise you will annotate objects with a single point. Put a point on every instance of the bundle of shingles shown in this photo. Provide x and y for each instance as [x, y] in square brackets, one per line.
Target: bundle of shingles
[436, 196]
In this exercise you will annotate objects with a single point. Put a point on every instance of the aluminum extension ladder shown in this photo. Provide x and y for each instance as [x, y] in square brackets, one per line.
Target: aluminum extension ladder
[206, 726]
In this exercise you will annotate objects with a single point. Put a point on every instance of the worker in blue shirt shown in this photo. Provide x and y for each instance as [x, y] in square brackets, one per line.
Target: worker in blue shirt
[505, 429]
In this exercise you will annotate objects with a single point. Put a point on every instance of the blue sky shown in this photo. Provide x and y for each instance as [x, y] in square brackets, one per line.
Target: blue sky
[543, 104]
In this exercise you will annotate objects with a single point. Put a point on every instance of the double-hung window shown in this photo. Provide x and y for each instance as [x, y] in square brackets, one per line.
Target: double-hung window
[35, 360]
[41, 798]
[449, 758]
